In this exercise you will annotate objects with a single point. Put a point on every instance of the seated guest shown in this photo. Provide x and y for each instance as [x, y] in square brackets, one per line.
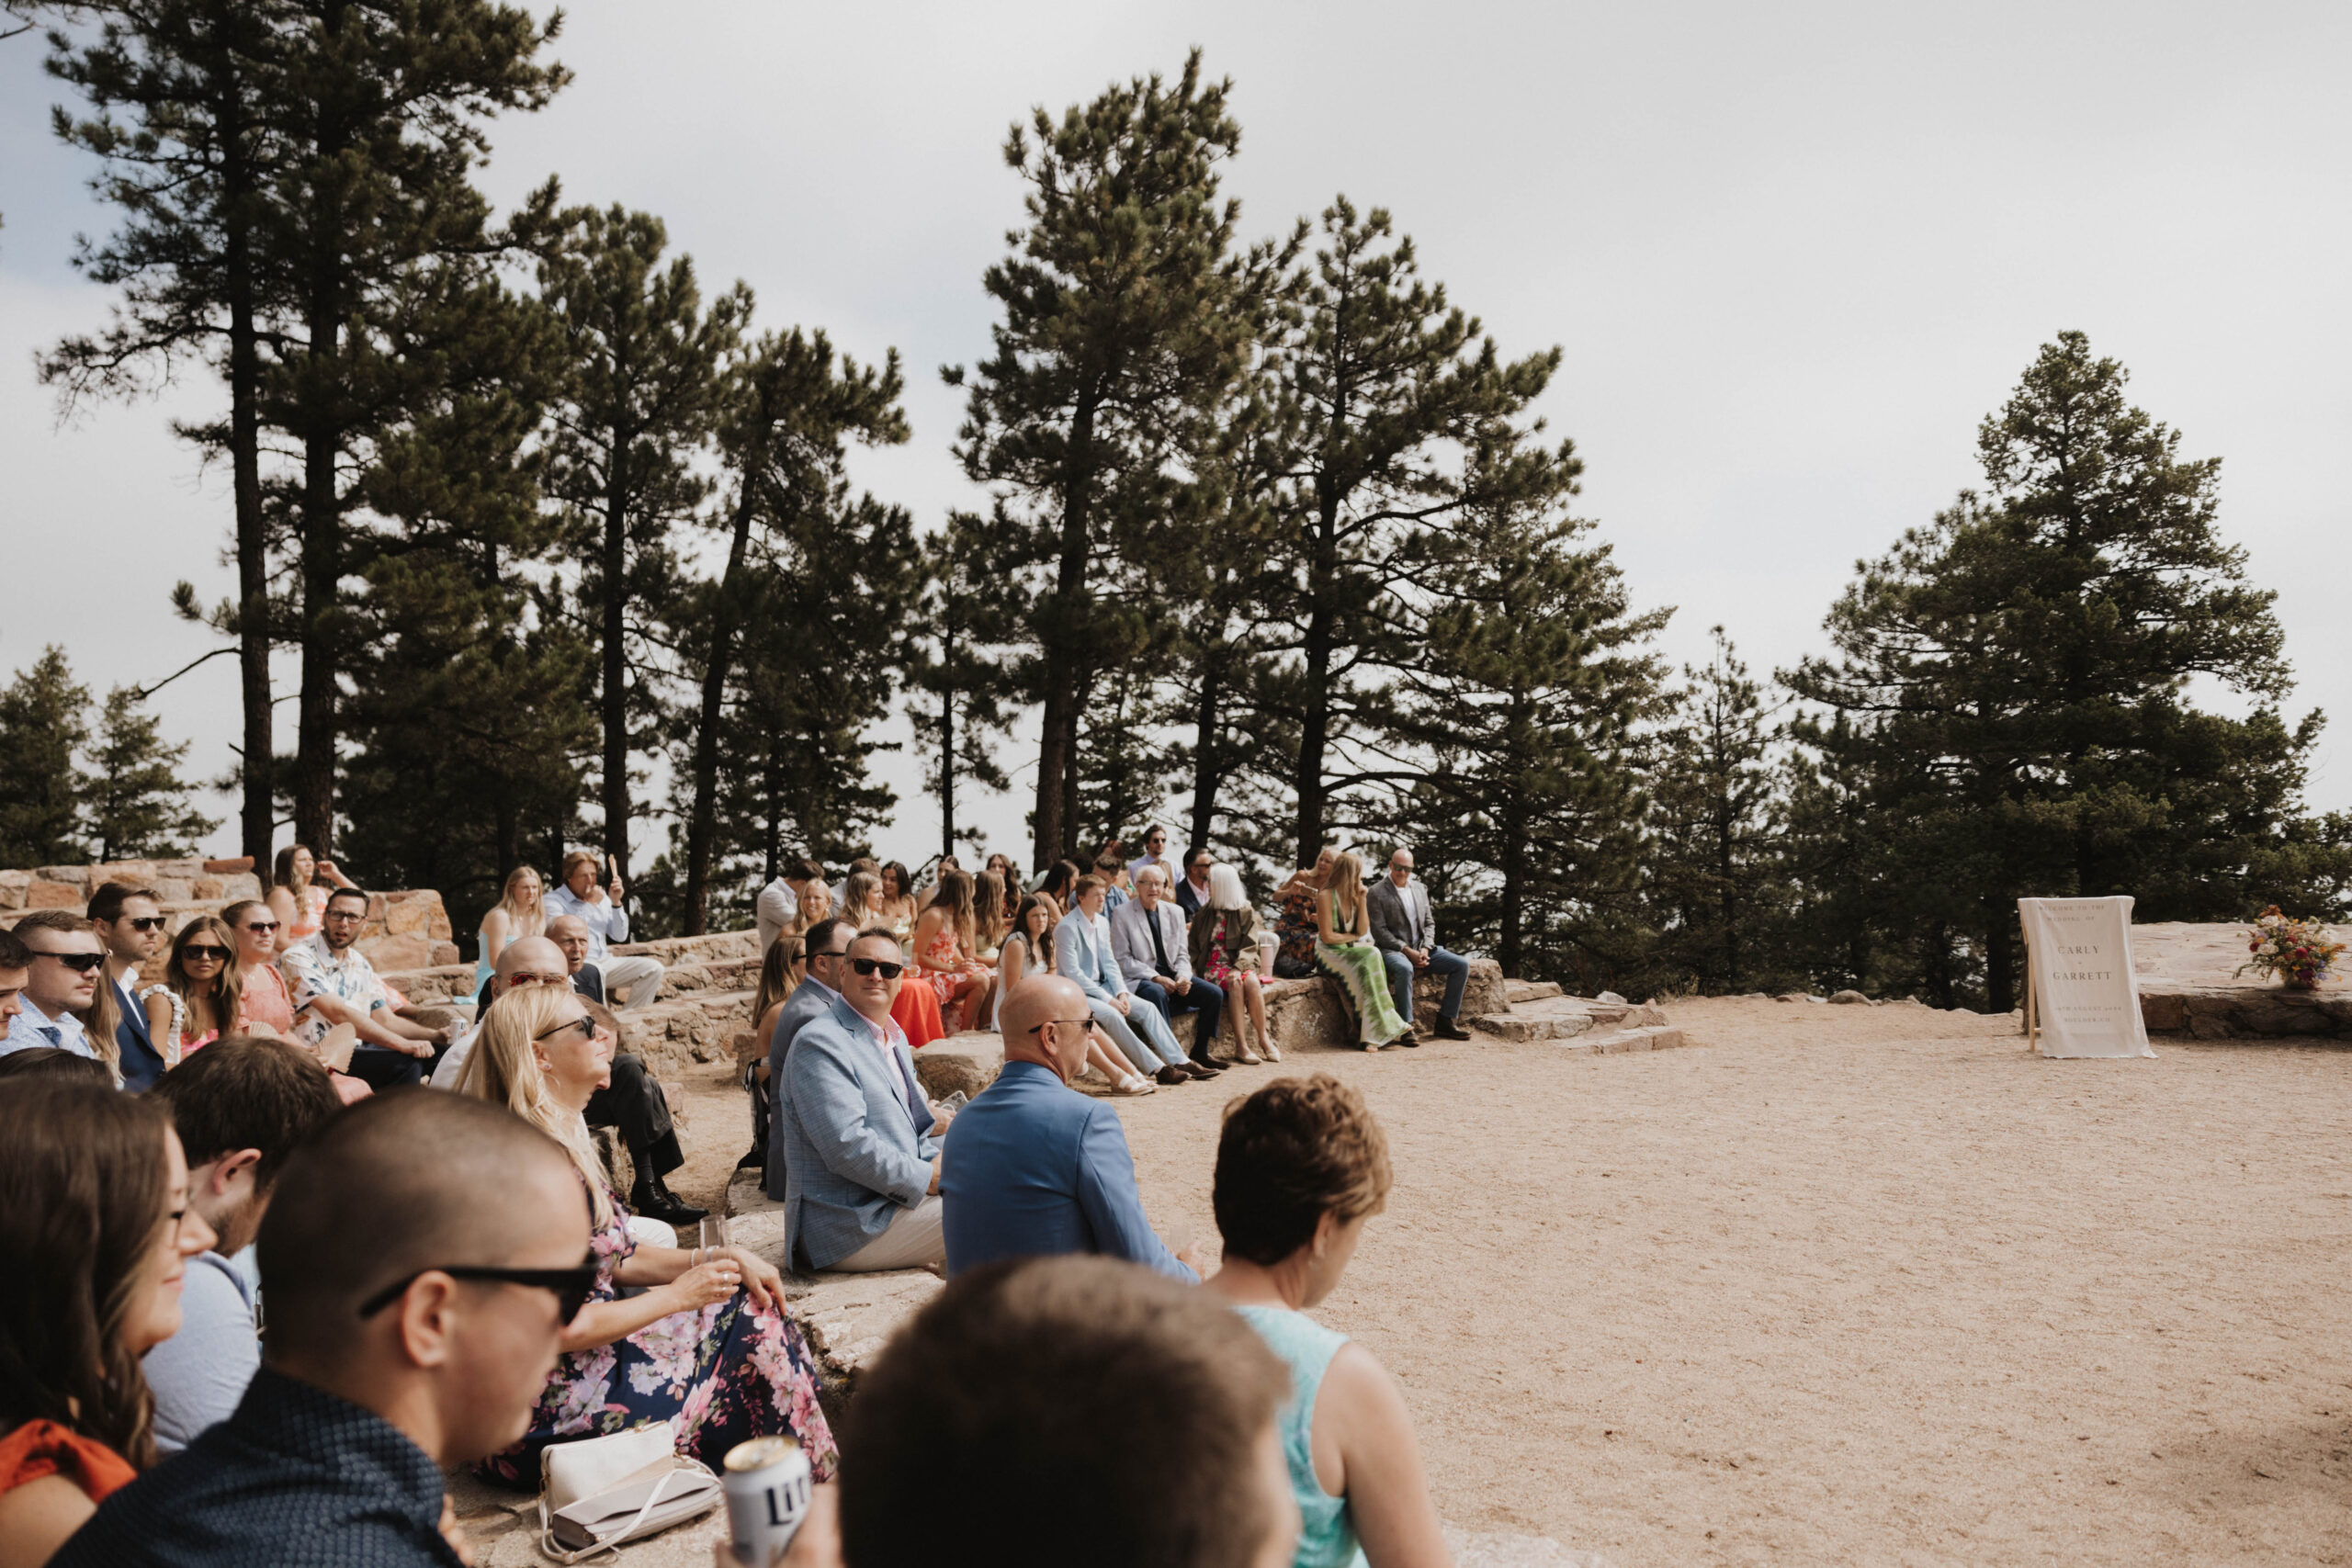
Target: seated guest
[1147, 936]
[939, 870]
[816, 904]
[1117, 888]
[1226, 947]
[1300, 1166]
[1154, 856]
[520, 911]
[332, 979]
[129, 922]
[298, 884]
[1082, 954]
[1344, 950]
[48, 1061]
[1296, 928]
[95, 1233]
[1008, 881]
[992, 917]
[1029, 950]
[945, 943]
[706, 1346]
[411, 1342]
[1008, 1417]
[635, 975]
[633, 1103]
[778, 905]
[199, 999]
[240, 1105]
[866, 864]
[897, 899]
[1193, 887]
[1059, 882]
[264, 1004]
[861, 902]
[571, 935]
[1034, 1168]
[781, 973]
[62, 959]
[860, 1142]
[1405, 930]
[820, 988]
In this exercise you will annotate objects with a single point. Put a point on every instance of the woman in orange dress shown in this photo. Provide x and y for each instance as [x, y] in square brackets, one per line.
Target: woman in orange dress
[94, 1241]
[943, 946]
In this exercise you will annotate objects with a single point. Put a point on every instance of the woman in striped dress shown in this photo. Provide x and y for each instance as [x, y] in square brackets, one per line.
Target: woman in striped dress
[1344, 950]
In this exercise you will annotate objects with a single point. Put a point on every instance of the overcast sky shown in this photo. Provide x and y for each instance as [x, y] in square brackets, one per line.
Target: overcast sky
[1793, 253]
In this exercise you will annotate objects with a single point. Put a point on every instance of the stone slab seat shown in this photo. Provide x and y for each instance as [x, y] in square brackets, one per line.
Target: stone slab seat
[847, 1317]
[1564, 1018]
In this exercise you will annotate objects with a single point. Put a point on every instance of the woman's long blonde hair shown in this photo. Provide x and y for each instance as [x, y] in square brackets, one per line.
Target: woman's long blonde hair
[1344, 881]
[518, 924]
[504, 1069]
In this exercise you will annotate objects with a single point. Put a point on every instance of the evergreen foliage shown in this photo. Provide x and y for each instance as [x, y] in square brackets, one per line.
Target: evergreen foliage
[1717, 814]
[44, 719]
[134, 805]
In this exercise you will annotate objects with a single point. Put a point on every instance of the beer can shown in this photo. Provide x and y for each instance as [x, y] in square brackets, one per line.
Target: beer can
[766, 1481]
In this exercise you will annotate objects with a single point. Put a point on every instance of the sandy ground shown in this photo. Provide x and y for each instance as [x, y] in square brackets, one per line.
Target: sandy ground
[1845, 1285]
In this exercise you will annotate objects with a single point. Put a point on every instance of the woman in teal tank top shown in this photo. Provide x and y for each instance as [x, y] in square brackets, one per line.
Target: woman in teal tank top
[1301, 1166]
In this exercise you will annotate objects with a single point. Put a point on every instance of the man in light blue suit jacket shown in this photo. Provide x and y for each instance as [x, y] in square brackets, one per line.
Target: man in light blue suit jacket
[811, 999]
[1034, 1168]
[861, 1149]
[1082, 952]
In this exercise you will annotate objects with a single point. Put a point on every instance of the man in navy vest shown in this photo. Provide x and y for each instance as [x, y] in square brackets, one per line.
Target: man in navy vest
[129, 921]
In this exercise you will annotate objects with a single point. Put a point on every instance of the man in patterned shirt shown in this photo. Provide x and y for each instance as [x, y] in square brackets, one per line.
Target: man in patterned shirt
[331, 976]
[398, 1347]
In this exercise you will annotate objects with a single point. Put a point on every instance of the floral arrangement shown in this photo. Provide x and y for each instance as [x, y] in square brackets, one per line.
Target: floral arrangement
[2301, 952]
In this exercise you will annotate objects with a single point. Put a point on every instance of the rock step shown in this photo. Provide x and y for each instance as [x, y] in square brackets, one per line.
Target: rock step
[1563, 1018]
[1651, 1037]
[1520, 992]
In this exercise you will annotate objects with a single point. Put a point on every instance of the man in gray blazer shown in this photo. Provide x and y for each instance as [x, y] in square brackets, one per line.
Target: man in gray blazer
[861, 1146]
[1153, 949]
[828, 943]
[1405, 929]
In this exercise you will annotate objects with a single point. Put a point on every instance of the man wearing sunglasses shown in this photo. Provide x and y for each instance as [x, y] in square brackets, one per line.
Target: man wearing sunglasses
[63, 958]
[417, 1340]
[129, 921]
[860, 1142]
[827, 944]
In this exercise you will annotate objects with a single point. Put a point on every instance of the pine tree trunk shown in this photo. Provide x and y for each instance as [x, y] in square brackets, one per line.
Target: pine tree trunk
[257, 815]
[1204, 751]
[1315, 721]
[702, 827]
[947, 736]
[321, 525]
[1057, 809]
[614, 696]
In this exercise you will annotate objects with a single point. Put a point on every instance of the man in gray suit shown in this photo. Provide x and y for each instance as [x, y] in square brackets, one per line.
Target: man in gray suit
[1405, 930]
[861, 1146]
[827, 947]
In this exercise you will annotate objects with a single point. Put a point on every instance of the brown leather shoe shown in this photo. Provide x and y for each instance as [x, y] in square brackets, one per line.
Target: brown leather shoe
[1172, 1075]
[1202, 1069]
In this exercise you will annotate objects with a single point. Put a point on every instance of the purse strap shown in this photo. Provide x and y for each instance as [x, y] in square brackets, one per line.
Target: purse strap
[612, 1543]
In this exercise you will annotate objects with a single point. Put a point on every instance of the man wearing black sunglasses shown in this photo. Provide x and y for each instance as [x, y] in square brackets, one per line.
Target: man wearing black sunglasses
[398, 1347]
[828, 958]
[129, 921]
[61, 978]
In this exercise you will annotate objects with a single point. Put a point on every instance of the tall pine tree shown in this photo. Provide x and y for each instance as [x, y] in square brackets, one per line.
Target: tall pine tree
[44, 719]
[134, 804]
[1714, 826]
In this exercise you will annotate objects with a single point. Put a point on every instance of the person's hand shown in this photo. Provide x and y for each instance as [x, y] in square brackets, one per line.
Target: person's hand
[706, 1283]
[1122, 1001]
[1177, 987]
[942, 1118]
[934, 1173]
[454, 1533]
[326, 868]
[1190, 1256]
[760, 1278]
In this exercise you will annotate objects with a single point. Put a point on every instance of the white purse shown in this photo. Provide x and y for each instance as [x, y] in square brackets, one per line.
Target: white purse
[599, 1492]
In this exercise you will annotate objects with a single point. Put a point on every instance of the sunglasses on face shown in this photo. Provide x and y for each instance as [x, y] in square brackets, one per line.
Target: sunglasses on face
[572, 1286]
[1037, 1027]
[887, 970]
[206, 952]
[79, 963]
[148, 923]
[262, 927]
[584, 1025]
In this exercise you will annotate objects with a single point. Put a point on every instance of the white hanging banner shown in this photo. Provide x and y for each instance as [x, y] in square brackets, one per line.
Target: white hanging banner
[2080, 989]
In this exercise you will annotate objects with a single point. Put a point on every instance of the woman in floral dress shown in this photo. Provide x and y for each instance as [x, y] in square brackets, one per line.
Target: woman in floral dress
[706, 1347]
[943, 946]
[1295, 928]
[1226, 951]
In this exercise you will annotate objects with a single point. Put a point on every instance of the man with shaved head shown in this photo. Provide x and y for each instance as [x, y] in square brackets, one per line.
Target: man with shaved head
[398, 1347]
[632, 1104]
[1033, 1167]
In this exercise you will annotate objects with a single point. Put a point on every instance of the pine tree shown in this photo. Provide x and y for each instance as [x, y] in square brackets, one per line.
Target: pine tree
[1715, 822]
[636, 412]
[1119, 333]
[958, 683]
[2014, 679]
[44, 719]
[784, 421]
[134, 805]
[1387, 381]
[1513, 736]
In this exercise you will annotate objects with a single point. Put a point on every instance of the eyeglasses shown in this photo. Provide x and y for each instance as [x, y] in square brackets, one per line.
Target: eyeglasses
[572, 1286]
[79, 963]
[346, 915]
[261, 927]
[205, 951]
[147, 923]
[887, 970]
[1036, 1028]
[583, 1024]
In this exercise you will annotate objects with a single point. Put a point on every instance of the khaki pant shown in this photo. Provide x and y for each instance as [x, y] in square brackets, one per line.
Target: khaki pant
[915, 1239]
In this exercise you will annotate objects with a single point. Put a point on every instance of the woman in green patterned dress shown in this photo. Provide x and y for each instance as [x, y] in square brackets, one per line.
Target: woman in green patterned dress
[1343, 948]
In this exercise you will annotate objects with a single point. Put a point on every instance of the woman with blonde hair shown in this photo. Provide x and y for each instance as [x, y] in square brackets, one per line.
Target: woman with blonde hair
[706, 1345]
[944, 944]
[1344, 950]
[201, 998]
[862, 900]
[781, 973]
[990, 915]
[521, 911]
[1225, 950]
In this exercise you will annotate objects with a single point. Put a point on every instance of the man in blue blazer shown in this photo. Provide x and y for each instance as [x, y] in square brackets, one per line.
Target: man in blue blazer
[129, 921]
[1036, 1168]
[861, 1146]
[827, 948]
